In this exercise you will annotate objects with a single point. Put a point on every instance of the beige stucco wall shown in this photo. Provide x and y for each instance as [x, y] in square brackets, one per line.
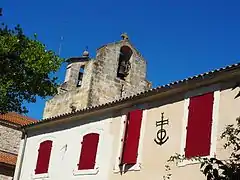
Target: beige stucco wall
[229, 110]
[154, 157]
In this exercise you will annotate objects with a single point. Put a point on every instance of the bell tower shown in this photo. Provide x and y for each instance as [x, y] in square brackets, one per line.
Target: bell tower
[118, 70]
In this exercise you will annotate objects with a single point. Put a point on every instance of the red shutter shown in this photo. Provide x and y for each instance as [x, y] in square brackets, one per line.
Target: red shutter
[44, 153]
[88, 151]
[132, 134]
[199, 127]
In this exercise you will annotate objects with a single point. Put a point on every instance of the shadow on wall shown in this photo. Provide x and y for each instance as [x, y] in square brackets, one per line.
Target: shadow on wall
[6, 171]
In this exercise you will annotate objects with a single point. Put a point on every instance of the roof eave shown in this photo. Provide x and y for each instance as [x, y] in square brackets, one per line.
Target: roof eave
[7, 164]
[175, 87]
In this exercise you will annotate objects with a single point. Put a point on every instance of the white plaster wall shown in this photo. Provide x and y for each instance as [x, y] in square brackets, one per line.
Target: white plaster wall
[66, 152]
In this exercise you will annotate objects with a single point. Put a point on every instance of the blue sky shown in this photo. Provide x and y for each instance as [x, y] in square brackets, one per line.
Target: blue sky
[177, 38]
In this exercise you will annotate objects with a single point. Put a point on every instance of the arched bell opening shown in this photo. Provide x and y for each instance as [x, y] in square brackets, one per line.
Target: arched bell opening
[124, 62]
[80, 76]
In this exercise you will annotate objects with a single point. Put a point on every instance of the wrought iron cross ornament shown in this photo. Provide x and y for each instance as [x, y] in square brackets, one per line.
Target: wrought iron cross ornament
[161, 134]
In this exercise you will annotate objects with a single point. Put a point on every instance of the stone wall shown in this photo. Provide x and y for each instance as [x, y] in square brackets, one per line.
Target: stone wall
[73, 95]
[100, 83]
[9, 142]
[106, 85]
[9, 139]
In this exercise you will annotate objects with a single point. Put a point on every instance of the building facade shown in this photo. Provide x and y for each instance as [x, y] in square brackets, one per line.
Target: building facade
[133, 136]
[10, 137]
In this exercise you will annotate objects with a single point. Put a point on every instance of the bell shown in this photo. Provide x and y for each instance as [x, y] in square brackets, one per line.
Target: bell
[80, 75]
[121, 70]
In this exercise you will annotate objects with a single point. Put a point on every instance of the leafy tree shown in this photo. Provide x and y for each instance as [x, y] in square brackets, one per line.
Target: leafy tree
[26, 70]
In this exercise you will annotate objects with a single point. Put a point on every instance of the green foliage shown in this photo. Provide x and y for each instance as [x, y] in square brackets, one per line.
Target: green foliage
[25, 68]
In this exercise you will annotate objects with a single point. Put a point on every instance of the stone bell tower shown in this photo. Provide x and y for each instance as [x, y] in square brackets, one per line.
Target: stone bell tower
[118, 70]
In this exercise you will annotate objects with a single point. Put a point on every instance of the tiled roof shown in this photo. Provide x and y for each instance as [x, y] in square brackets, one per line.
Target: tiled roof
[149, 92]
[8, 158]
[16, 118]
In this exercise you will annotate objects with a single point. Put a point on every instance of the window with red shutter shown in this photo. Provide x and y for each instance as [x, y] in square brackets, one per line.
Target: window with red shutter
[88, 151]
[44, 153]
[131, 139]
[198, 140]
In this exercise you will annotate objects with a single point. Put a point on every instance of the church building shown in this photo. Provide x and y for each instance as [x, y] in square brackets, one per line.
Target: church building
[108, 123]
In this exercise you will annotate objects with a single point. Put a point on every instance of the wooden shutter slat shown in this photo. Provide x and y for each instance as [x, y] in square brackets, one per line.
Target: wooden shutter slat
[132, 135]
[199, 125]
[88, 151]
[44, 154]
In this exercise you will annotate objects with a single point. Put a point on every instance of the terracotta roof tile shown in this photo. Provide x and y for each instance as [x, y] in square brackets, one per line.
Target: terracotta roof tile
[16, 118]
[8, 158]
